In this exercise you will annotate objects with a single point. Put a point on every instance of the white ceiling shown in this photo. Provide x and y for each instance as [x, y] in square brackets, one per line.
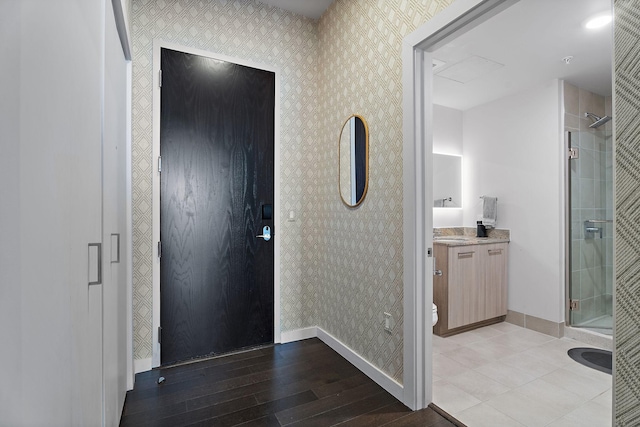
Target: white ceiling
[530, 39]
[518, 48]
[309, 8]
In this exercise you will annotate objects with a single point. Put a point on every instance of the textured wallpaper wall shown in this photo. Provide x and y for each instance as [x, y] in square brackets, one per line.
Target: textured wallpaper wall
[252, 31]
[341, 268]
[357, 253]
[627, 205]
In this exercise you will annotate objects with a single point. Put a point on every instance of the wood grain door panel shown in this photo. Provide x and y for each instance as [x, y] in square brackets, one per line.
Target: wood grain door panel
[216, 144]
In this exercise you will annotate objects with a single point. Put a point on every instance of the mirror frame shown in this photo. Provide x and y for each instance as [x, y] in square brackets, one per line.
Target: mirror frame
[366, 161]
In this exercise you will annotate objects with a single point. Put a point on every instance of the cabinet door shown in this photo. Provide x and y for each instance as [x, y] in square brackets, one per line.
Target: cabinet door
[466, 287]
[494, 260]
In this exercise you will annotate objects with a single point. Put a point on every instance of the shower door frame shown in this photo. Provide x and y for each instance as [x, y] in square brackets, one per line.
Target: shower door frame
[568, 227]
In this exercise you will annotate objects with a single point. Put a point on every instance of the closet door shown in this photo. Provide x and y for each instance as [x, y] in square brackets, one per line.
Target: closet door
[114, 193]
[59, 375]
[82, 166]
[62, 84]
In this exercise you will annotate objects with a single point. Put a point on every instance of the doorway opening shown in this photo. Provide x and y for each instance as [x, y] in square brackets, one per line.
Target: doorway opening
[420, 93]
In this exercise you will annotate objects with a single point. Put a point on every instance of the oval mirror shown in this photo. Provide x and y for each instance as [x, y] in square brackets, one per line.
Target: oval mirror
[353, 155]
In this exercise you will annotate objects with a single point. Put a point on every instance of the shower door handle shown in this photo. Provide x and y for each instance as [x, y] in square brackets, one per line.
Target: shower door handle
[595, 226]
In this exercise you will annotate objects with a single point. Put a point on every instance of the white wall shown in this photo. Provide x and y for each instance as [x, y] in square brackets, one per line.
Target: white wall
[512, 150]
[447, 139]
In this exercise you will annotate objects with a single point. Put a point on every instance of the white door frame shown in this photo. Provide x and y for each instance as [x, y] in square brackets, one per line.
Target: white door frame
[417, 79]
[157, 46]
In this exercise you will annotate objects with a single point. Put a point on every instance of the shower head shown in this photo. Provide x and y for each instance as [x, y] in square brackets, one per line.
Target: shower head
[598, 121]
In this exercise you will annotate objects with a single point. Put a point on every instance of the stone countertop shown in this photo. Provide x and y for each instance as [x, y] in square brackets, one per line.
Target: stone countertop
[467, 240]
[465, 236]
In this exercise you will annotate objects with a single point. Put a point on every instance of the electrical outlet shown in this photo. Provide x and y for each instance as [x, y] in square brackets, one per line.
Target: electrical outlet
[387, 322]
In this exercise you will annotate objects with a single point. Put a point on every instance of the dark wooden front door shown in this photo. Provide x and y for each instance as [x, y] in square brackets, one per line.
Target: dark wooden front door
[216, 195]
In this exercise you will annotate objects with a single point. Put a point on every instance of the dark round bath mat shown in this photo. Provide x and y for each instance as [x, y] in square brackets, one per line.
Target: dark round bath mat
[592, 357]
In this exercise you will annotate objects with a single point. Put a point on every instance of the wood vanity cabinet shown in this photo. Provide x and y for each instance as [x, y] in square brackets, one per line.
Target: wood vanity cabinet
[472, 290]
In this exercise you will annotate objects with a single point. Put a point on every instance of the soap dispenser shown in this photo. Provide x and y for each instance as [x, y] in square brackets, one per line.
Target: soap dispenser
[481, 230]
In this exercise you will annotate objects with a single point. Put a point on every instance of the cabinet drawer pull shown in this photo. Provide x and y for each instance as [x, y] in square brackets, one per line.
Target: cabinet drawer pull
[495, 251]
[465, 254]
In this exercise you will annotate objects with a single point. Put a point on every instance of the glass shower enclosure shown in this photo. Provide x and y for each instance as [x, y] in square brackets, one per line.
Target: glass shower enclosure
[590, 220]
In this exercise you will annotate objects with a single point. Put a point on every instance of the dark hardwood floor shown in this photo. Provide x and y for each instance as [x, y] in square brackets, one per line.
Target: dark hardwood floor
[301, 383]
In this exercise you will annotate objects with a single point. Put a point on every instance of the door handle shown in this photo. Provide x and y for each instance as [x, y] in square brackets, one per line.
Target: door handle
[95, 263]
[266, 233]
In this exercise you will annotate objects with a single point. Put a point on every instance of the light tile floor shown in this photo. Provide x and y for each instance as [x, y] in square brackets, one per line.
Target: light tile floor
[503, 375]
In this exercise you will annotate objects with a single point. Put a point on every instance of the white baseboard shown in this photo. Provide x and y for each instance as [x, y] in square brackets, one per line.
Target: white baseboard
[142, 365]
[385, 381]
[298, 334]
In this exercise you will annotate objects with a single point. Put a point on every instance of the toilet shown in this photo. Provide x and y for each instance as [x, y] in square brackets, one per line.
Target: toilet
[435, 314]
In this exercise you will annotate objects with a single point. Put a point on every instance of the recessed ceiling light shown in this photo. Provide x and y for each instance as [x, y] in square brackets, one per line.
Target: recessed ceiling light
[598, 21]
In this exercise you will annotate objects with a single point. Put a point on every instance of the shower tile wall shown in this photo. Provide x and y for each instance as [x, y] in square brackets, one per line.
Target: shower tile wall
[591, 198]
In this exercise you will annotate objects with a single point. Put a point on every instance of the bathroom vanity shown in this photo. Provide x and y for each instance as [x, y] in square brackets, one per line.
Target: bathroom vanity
[470, 282]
